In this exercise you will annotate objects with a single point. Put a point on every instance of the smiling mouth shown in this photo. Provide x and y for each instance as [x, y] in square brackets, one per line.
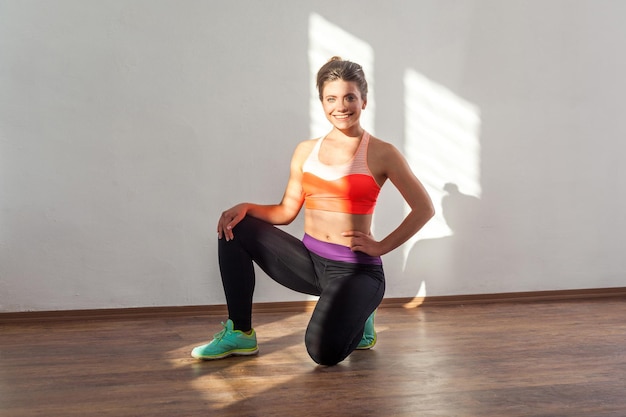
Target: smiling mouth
[342, 116]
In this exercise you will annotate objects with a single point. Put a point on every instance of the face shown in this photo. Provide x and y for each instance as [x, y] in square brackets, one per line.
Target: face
[342, 104]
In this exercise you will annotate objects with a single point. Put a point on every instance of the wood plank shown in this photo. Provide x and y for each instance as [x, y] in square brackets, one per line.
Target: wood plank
[502, 359]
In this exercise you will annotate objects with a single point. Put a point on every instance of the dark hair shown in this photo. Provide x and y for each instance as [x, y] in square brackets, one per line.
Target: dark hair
[339, 69]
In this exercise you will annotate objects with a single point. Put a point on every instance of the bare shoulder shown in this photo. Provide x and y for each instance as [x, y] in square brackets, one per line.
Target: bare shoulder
[384, 152]
[306, 145]
[303, 149]
[385, 160]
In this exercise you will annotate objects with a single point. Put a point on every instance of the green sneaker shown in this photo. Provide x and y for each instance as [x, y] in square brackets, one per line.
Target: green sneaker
[228, 342]
[369, 334]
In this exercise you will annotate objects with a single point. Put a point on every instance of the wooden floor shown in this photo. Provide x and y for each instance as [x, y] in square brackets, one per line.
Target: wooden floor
[504, 360]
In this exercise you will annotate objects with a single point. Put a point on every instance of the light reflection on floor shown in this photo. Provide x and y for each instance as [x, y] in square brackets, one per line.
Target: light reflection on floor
[224, 383]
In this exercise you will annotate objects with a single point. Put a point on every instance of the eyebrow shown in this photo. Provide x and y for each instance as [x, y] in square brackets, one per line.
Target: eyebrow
[347, 95]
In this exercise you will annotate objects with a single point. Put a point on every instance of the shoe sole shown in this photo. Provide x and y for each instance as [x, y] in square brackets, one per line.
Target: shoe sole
[371, 345]
[238, 352]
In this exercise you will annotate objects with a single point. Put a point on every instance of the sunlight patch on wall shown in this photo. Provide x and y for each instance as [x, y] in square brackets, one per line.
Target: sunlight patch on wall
[441, 144]
[325, 41]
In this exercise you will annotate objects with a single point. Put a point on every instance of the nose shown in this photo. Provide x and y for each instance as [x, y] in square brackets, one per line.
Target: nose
[342, 105]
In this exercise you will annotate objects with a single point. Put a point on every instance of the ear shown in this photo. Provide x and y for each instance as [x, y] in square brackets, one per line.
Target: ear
[364, 104]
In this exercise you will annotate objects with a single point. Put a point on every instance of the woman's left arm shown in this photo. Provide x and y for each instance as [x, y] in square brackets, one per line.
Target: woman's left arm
[397, 170]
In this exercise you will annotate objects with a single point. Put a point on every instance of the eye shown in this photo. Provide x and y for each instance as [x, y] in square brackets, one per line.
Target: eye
[330, 99]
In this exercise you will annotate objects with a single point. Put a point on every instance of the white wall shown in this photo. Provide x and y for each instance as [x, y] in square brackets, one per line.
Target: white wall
[126, 127]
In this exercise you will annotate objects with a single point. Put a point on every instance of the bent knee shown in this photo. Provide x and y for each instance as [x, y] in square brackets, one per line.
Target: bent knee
[324, 357]
[327, 354]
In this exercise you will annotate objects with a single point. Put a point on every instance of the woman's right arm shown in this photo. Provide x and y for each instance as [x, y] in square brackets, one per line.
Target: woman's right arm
[282, 213]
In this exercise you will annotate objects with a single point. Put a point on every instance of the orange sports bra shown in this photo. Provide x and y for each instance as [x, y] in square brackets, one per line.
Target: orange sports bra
[346, 188]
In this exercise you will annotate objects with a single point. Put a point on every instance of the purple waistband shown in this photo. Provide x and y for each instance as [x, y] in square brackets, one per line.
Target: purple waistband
[339, 253]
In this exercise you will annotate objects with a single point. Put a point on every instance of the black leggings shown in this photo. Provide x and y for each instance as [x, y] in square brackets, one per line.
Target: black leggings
[348, 293]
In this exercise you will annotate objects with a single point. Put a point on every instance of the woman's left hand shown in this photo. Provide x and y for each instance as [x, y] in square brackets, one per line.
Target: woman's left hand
[363, 242]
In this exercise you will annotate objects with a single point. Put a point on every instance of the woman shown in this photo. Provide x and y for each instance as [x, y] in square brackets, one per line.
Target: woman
[337, 178]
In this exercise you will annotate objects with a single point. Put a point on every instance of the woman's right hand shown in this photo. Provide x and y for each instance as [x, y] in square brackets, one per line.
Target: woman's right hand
[229, 219]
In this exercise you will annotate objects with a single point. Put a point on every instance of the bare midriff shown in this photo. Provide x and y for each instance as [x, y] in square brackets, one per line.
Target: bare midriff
[328, 226]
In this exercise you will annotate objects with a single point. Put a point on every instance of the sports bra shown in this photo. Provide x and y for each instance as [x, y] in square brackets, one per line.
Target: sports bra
[345, 188]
